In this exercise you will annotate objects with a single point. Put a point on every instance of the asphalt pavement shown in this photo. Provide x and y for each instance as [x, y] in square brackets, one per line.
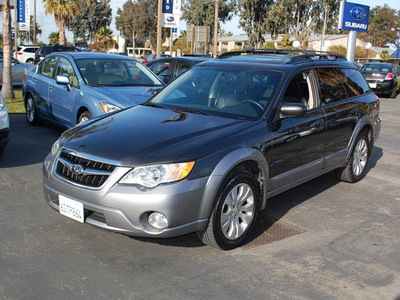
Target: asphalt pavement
[343, 240]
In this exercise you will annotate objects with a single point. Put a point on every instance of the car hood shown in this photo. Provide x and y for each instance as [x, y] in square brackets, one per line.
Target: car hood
[147, 135]
[125, 96]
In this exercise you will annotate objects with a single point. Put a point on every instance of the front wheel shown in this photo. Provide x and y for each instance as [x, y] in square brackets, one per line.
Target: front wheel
[356, 168]
[84, 117]
[234, 213]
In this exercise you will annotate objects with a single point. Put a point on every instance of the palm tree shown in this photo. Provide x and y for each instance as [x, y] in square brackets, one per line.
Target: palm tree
[7, 88]
[63, 11]
[105, 38]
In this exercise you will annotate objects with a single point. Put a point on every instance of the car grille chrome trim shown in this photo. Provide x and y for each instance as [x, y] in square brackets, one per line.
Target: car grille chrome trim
[83, 171]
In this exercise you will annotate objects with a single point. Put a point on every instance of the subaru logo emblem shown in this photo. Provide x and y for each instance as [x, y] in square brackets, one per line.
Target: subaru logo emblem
[77, 169]
[358, 13]
[170, 19]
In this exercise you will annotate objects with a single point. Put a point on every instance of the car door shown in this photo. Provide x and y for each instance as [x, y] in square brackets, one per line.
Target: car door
[297, 143]
[41, 84]
[63, 98]
[339, 92]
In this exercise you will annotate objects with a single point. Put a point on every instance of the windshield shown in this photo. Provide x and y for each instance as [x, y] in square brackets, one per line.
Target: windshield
[229, 92]
[116, 72]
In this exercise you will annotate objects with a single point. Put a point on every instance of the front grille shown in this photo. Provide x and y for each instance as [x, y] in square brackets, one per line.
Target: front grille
[83, 171]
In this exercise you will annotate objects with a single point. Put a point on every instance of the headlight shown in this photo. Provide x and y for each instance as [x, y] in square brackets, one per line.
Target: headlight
[55, 148]
[151, 176]
[109, 107]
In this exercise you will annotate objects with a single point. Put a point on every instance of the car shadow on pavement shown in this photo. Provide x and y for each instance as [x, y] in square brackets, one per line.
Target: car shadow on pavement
[28, 144]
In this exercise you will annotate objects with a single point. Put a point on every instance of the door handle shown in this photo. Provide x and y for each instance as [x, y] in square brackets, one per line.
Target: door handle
[51, 89]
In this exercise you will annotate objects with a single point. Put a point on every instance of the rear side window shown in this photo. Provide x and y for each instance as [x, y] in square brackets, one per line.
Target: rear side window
[330, 86]
[354, 83]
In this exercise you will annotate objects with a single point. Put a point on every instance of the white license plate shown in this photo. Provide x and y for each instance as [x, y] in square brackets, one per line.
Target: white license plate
[372, 85]
[71, 208]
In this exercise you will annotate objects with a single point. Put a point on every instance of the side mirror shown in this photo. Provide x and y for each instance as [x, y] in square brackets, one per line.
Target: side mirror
[64, 80]
[292, 110]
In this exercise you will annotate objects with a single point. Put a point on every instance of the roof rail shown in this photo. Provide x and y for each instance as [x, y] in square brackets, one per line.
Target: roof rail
[298, 55]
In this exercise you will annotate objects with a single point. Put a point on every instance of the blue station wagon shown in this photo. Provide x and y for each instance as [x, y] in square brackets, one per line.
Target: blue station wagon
[72, 87]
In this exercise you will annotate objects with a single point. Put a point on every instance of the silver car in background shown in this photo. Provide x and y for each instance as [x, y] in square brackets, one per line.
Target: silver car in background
[4, 124]
[18, 70]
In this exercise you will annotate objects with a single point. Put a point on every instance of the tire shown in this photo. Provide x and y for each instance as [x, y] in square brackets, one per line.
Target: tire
[84, 117]
[356, 168]
[31, 112]
[29, 61]
[2, 148]
[234, 212]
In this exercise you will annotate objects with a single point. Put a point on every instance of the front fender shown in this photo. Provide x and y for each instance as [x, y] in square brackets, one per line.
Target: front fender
[226, 165]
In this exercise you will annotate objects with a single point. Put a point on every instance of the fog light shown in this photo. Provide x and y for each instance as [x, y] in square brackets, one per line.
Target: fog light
[158, 220]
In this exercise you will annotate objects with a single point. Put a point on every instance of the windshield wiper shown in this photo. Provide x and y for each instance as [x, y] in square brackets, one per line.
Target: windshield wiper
[191, 110]
[152, 104]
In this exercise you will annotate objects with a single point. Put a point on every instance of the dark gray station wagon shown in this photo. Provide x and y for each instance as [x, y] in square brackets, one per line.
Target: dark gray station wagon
[205, 153]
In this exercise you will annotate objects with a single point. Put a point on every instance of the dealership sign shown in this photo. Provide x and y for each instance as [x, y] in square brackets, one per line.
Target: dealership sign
[171, 13]
[23, 15]
[353, 16]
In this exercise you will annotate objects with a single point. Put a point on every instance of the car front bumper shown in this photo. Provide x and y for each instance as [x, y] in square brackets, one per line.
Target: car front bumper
[125, 208]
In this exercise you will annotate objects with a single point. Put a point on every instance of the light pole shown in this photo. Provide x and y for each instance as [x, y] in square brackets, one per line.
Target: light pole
[215, 29]
[325, 5]
[367, 46]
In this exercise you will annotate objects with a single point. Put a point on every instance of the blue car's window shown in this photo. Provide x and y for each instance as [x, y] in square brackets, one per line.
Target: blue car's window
[229, 92]
[64, 67]
[116, 72]
[48, 67]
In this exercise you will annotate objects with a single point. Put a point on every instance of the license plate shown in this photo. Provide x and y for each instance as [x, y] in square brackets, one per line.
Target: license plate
[372, 85]
[71, 208]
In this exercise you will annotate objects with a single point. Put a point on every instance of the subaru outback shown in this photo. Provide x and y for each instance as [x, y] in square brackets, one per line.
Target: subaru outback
[206, 153]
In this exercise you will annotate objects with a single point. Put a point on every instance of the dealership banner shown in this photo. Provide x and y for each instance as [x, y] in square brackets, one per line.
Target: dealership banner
[23, 15]
[353, 16]
[171, 13]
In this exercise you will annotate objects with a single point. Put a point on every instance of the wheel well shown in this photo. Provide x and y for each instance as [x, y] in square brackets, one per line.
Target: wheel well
[252, 167]
[80, 111]
[26, 96]
[368, 130]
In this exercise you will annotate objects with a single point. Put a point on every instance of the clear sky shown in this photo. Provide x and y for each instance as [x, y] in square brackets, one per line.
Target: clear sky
[47, 24]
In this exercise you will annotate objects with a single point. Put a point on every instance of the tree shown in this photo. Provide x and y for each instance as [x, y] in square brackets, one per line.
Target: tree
[381, 22]
[7, 88]
[54, 37]
[139, 18]
[252, 19]
[105, 39]
[202, 13]
[301, 18]
[22, 35]
[385, 56]
[90, 19]
[342, 50]
[63, 11]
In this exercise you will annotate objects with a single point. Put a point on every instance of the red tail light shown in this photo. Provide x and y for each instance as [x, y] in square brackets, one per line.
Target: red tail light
[19, 53]
[24, 76]
[389, 76]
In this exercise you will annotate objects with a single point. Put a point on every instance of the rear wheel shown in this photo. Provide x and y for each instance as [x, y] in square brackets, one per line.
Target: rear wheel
[84, 117]
[31, 113]
[357, 166]
[29, 61]
[234, 212]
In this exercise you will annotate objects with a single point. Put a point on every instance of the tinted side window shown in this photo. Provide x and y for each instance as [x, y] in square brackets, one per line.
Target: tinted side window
[353, 82]
[181, 67]
[330, 86]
